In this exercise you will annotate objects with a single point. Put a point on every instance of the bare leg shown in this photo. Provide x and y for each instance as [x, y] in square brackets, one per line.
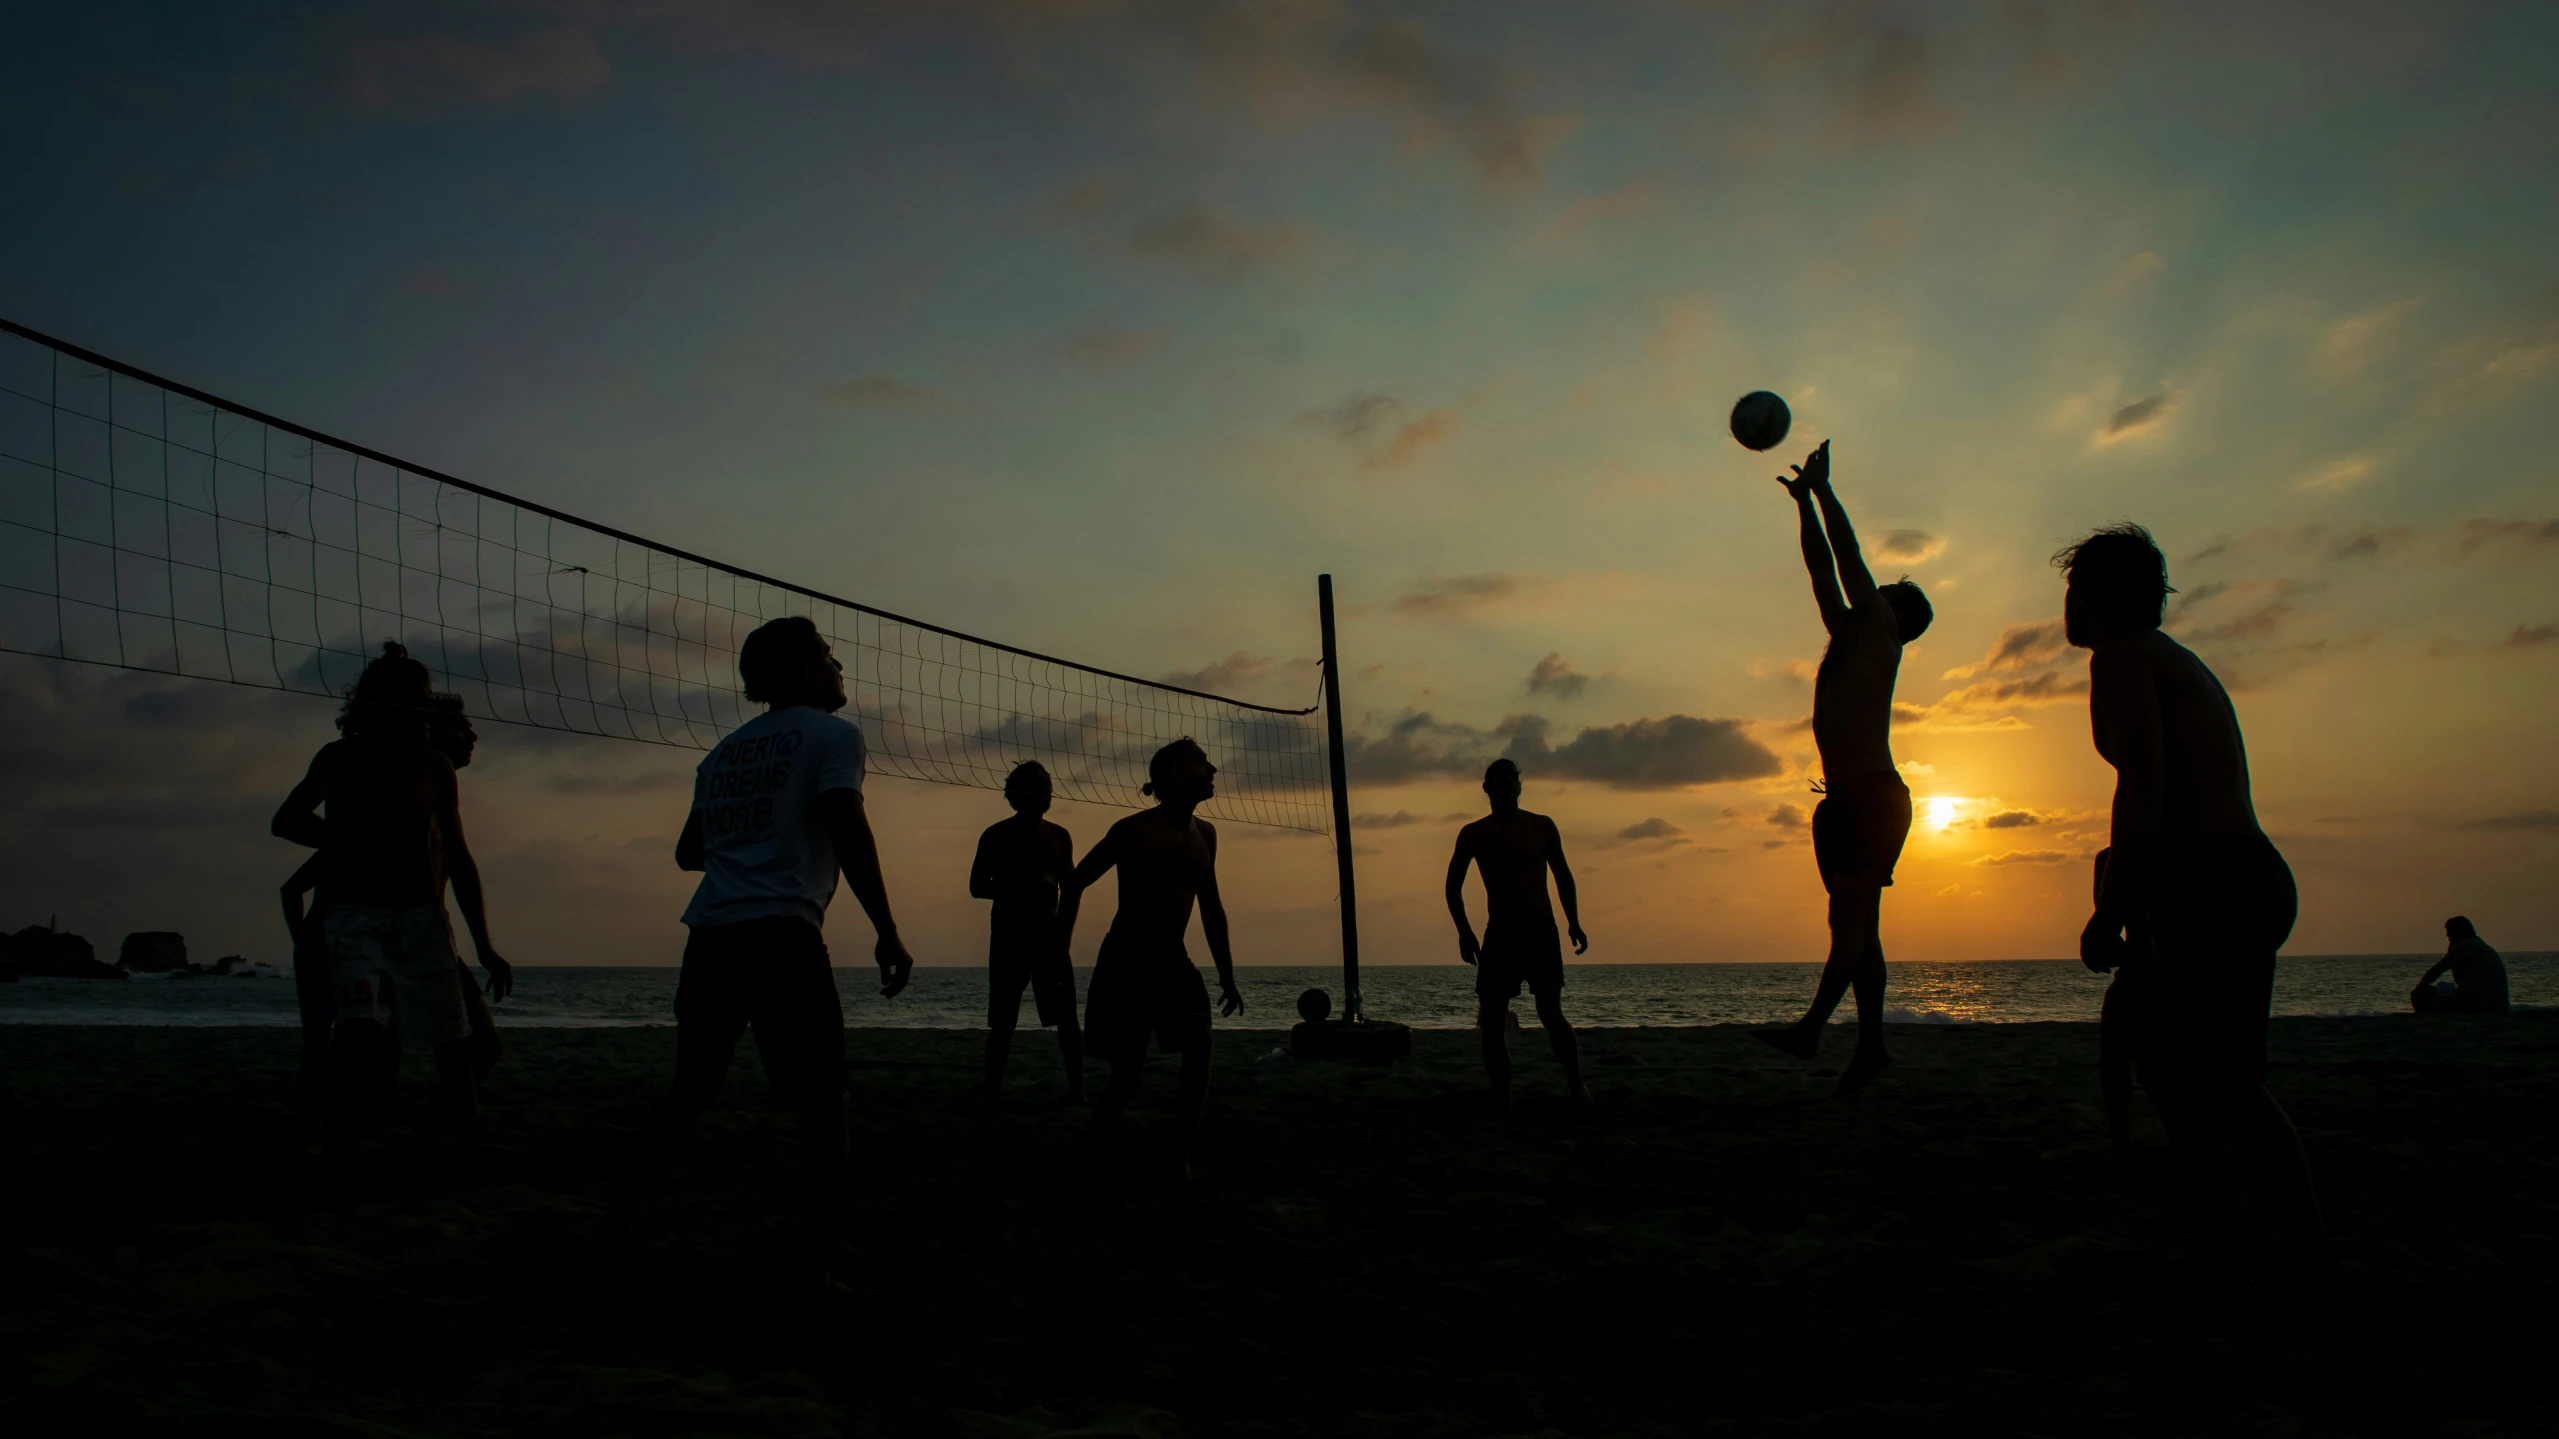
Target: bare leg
[1868, 983]
[1560, 1038]
[1122, 1087]
[999, 1047]
[2281, 1171]
[702, 1053]
[1070, 1048]
[1492, 1019]
[1190, 1101]
[2118, 1023]
[363, 1060]
[1852, 925]
[457, 1101]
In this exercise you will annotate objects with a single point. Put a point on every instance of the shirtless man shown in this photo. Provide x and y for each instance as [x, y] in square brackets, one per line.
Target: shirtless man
[1864, 815]
[450, 733]
[389, 843]
[1513, 849]
[2189, 861]
[777, 815]
[1020, 863]
[2478, 976]
[1144, 984]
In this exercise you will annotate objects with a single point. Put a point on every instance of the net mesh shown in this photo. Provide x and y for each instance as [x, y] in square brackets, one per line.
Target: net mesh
[147, 525]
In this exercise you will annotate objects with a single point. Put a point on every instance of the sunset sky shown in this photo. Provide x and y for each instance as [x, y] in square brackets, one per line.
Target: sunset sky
[1103, 328]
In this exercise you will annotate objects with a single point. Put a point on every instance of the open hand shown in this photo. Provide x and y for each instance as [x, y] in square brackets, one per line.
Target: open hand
[1581, 941]
[1467, 949]
[1230, 1000]
[1812, 477]
[896, 965]
[501, 975]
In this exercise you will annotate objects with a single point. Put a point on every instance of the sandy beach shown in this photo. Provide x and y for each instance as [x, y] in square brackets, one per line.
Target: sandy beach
[1716, 1247]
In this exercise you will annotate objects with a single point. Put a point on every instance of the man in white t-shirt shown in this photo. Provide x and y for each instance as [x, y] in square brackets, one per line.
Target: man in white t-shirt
[777, 814]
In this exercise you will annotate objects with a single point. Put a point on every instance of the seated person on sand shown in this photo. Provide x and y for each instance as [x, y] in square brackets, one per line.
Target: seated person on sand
[1144, 984]
[451, 735]
[2478, 976]
[390, 840]
[1513, 849]
[1864, 815]
[1020, 863]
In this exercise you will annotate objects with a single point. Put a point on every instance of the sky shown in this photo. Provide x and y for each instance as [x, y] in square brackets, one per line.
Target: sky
[1102, 327]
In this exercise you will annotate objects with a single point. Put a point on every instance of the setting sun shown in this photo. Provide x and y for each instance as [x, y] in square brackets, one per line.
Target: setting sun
[1941, 811]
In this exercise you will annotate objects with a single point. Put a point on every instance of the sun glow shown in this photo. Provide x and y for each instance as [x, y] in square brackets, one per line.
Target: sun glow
[1941, 811]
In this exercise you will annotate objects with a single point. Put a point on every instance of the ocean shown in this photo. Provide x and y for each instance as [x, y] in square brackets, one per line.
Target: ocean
[1425, 996]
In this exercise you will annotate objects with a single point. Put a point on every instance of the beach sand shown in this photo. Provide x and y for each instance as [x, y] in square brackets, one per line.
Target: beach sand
[1716, 1247]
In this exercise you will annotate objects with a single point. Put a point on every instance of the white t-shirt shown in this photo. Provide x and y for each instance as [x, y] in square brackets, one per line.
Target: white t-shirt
[765, 849]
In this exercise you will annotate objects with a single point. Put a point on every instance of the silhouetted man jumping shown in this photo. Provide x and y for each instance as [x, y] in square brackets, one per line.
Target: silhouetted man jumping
[777, 814]
[1513, 849]
[1020, 864]
[2189, 860]
[1144, 984]
[1864, 815]
[381, 806]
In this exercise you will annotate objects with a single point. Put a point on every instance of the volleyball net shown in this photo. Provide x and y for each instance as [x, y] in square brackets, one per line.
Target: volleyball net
[150, 526]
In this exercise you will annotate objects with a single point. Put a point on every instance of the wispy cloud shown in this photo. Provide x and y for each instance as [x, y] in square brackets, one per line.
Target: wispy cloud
[1555, 675]
[1207, 245]
[2138, 418]
[1461, 594]
[1244, 671]
[2341, 474]
[1669, 752]
[2528, 819]
[2023, 856]
[1907, 547]
[2528, 637]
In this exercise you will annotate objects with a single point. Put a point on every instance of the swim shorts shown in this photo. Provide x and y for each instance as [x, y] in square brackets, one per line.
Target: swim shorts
[1142, 992]
[2219, 910]
[398, 968]
[771, 974]
[1858, 830]
[1029, 959]
[1528, 954]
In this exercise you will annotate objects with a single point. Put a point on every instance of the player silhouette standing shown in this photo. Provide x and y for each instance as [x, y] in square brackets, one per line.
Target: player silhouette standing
[1864, 816]
[777, 814]
[1513, 849]
[1020, 864]
[1144, 984]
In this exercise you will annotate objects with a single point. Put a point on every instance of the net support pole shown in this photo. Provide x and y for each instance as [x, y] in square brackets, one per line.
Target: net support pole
[1341, 803]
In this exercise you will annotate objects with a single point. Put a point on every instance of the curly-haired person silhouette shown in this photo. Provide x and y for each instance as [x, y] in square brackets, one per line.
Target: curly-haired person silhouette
[1020, 864]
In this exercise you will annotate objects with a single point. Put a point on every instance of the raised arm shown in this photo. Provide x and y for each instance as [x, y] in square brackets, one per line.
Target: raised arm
[464, 874]
[1565, 889]
[1853, 574]
[1817, 557]
[1467, 948]
[857, 853]
[1213, 928]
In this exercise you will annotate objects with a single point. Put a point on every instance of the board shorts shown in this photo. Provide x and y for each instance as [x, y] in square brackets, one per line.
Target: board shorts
[1029, 958]
[1858, 831]
[1520, 954]
[398, 968]
[315, 989]
[2445, 997]
[2219, 909]
[1143, 992]
[771, 975]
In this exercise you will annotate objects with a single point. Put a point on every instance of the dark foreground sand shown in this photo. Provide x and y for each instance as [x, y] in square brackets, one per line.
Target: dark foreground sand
[1718, 1248]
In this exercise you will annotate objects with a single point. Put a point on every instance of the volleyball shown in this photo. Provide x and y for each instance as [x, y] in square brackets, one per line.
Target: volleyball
[1760, 420]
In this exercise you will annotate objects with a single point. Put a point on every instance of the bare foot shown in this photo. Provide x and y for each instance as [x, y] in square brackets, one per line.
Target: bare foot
[1793, 1039]
[1862, 1070]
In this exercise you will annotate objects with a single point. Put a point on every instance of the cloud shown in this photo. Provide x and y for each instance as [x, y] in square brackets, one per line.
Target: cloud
[1244, 670]
[2023, 856]
[1656, 828]
[425, 72]
[2138, 418]
[2529, 819]
[2133, 274]
[2028, 665]
[875, 390]
[2347, 346]
[2327, 542]
[1398, 820]
[1413, 441]
[643, 782]
[1671, 752]
[1353, 418]
[1877, 75]
[2532, 637]
[2343, 474]
[1207, 245]
[1555, 675]
[2258, 623]
[1460, 594]
[2476, 533]
[1788, 816]
[2011, 819]
[2018, 649]
[1106, 346]
[1908, 547]
[1576, 226]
